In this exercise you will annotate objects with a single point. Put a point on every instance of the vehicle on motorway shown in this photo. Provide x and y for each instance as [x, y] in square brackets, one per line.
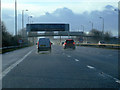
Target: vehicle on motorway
[101, 42]
[69, 43]
[44, 44]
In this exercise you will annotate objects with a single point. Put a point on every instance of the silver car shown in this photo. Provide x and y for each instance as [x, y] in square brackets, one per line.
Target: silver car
[44, 44]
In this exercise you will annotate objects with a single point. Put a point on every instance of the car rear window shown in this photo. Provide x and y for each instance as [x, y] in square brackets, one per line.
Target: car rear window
[69, 41]
[44, 40]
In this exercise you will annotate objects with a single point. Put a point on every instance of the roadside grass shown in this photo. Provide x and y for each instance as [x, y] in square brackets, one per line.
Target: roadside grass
[12, 49]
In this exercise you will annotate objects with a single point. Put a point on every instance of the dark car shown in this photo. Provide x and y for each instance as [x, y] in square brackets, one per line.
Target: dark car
[44, 44]
[101, 42]
[69, 43]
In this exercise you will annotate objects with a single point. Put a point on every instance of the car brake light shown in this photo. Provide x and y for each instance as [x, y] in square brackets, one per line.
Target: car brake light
[38, 43]
[73, 42]
[65, 43]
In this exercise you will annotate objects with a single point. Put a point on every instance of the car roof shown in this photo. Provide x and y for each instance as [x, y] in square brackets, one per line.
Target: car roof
[43, 38]
[69, 39]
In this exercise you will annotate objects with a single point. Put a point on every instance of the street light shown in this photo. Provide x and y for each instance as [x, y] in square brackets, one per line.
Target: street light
[92, 24]
[119, 35]
[83, 27]
[103, 24]
[83, 33]
[118, 10]
[23, 18]
[15, 17]
[29, 19]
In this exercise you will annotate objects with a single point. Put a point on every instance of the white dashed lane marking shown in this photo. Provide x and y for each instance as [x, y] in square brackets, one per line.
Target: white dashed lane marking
[90, 67]
[76, 60]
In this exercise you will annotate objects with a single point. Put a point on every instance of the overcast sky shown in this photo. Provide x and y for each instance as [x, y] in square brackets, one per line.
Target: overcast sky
[74, 12]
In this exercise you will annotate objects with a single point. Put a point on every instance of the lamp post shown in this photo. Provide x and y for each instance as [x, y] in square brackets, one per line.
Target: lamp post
[23, 18]
[15, 17]
[92, 24]
[118, 36]
[118, 10]
[83, 33]
[119, 23]
[68, 34]
[83, 27]
[103, 24]
[29, 19]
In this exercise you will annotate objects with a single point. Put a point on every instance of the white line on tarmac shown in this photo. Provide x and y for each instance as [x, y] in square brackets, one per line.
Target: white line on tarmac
[105, 75]
[68, 56]
[76, 60]
[6, 71]
[90, 67]
[116, 80]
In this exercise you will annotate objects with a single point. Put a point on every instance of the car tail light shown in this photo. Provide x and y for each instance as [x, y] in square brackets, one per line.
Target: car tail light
[38, 43]
[65, 43]
[73, 42]
[50, 43]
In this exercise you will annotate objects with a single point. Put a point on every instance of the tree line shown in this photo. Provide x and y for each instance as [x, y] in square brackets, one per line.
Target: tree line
[12, 40]
[100, 35]
[9, 39]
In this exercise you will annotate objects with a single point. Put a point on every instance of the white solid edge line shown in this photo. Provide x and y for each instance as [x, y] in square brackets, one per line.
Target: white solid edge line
[76, 60]
[6, 71]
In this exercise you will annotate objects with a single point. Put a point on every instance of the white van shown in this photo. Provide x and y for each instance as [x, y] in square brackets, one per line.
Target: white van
[44, 44]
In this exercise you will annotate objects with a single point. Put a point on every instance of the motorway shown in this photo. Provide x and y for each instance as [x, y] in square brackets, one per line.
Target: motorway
[84, 67]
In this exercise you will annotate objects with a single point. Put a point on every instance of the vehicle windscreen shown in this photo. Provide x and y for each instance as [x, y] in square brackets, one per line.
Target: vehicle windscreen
[69, 41]
[44, 41]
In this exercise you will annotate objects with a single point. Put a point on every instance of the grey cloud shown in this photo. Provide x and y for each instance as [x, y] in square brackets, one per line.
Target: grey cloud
[65, 15]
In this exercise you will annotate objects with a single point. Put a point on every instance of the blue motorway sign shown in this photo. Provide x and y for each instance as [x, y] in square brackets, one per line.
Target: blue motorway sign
[47, 27]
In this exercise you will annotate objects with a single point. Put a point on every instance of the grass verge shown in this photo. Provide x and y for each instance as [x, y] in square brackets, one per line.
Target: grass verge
[12, 49]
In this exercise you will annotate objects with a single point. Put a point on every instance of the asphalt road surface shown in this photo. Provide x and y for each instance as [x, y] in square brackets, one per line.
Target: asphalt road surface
[84, 67]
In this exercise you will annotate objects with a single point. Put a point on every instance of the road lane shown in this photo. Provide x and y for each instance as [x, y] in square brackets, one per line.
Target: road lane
[6, 71]
[10, 58]
[101, 60]
[55, 70]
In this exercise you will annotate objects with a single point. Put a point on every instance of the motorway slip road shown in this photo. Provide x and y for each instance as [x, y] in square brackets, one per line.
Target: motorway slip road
[84, 67]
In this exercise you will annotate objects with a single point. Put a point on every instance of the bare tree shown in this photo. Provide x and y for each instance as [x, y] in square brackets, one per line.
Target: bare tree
[107, 36]
[97, 35]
